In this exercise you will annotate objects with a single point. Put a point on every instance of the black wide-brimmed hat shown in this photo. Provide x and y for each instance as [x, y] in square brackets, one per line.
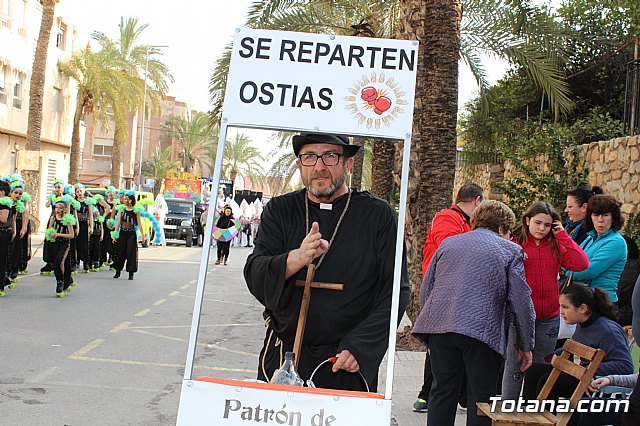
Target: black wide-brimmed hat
[307, 138]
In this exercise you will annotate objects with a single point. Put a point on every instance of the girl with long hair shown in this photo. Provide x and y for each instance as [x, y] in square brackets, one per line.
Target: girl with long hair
[107, 254]
[125, 235]
[59, 232]
[547, 248]
[225, 221]
[17, 262]
[56, 193]
[594, 314]
[7, 232]
[85, 226]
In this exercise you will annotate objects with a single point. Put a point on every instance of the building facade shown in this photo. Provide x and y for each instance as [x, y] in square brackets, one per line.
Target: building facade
[19, 30]
[96, 157]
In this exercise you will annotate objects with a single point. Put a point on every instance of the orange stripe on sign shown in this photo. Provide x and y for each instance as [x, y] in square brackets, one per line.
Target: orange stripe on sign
[285, 388]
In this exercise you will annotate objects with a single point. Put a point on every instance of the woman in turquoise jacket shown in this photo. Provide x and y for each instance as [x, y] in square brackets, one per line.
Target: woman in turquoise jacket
[605, 247]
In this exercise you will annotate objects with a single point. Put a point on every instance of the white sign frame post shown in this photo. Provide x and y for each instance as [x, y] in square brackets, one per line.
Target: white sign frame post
[340, 83]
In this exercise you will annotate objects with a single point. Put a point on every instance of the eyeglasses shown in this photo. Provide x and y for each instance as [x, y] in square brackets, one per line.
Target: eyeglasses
[328, 159]
[600, 215]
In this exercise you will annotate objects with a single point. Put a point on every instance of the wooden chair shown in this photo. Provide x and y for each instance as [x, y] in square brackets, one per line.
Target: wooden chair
[564, 363]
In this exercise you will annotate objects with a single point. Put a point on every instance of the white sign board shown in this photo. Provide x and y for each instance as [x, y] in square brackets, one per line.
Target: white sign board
[319, 82]
[217, 402]
[307, 82]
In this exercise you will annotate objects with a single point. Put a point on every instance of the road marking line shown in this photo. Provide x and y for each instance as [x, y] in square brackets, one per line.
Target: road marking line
[157, 364]
[173, 262]
[120, 327]
[174, 293]
[149, 327]
[159, 302]
[87, 348]
[253, 305]
[92, 386]
[204, 345]
[184, 287]
[143, 313]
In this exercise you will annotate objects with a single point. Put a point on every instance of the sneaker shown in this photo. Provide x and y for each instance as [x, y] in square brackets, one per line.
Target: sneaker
[462, 407]
[23, 272]
[420, 406]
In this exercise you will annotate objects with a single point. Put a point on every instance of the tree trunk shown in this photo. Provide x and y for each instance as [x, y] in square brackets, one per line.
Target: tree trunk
[74, 156]
[36, 95]
[116, 155]
[384, 154]
[356, 174]
[436, 25]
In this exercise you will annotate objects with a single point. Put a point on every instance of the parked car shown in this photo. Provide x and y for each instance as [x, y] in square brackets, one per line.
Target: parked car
[180, 223]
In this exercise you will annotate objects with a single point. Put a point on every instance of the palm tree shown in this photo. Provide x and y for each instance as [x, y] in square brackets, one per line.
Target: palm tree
[524, 35]
[36, 95]
[101, 88]
[384, 156]
[136, 60]
[358, 163]
[242, 158]
[196, 137]
[160, 164]
[436, 25]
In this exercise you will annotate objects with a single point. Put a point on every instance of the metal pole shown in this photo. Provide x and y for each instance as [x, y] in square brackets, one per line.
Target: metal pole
[397, 268]
[204, 258]
[144, 112]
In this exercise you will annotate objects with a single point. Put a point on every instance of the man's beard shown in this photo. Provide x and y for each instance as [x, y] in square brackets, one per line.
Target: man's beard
[336, 183]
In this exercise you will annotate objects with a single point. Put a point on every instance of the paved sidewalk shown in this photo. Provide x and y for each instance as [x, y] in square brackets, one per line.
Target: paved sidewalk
[407, 381]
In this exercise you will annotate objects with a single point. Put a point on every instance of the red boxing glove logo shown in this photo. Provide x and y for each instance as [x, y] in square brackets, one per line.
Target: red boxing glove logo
[369, 94]
[376, 99]
[381, 105]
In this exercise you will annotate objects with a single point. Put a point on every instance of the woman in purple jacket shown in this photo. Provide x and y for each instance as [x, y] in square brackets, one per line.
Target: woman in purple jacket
[473, 281]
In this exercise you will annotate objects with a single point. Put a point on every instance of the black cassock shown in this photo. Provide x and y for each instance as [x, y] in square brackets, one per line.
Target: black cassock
[357, 319]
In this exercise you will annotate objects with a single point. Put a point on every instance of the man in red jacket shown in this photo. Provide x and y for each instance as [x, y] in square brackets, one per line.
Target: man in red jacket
[446, 223]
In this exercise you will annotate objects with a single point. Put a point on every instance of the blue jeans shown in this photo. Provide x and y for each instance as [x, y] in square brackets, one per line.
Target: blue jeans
[545, 344]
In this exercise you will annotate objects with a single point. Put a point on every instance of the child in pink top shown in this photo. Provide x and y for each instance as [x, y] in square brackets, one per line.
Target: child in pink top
[547, 248]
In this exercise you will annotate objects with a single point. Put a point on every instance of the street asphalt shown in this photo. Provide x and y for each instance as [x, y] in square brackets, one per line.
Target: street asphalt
[113, 351]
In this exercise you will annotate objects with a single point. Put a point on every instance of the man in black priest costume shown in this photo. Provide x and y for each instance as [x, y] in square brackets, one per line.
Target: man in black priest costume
[350, 236]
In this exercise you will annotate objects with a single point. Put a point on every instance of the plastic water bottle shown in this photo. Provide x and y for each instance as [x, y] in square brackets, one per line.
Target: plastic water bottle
[287, 374]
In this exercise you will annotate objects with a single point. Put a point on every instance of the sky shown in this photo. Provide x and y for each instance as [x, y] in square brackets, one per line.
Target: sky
[195, 32]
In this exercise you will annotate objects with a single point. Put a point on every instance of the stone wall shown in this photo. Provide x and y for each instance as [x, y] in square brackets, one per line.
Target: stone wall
[485, 175]
[613, 165]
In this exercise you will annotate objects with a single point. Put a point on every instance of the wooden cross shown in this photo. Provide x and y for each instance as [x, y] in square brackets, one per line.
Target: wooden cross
[308, 284]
